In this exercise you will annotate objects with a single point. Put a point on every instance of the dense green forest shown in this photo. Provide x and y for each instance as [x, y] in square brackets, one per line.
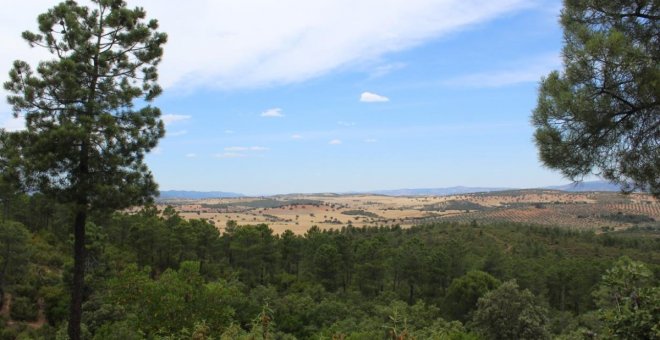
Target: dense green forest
[151, 274]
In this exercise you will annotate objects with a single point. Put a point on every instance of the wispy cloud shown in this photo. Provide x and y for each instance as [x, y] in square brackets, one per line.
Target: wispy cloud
[229, 132]
[335, 142]
[369, 97]
[343, 123]
[191, 155]
[296, 136]
[173, 118]
[270, 42]
[370, 140]
[383, 70]
[272, 113]
[525, 71]
[246, 148]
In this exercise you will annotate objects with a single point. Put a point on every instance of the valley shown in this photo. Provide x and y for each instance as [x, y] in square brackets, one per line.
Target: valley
[599, 211]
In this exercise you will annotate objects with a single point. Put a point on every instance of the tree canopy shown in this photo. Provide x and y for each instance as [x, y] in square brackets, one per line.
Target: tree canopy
[601, 114]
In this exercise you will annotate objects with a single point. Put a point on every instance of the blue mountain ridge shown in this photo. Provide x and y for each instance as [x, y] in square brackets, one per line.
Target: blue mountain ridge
[457, 190]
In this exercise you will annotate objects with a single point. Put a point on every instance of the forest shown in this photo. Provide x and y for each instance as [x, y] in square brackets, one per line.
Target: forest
[153, 275]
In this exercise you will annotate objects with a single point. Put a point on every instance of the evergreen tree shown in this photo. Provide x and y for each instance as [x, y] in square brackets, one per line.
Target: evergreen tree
[85, 141]
[602, 113]
[509, 313]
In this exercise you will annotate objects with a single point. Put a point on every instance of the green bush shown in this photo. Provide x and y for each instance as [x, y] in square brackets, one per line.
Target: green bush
[23, 309]
[56, 302]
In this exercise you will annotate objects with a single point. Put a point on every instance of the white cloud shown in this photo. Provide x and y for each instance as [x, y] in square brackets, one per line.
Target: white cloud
[383, 70]
[171, 118]
[233, 44]
[296, 136]
[369, 97]
[525, 71]
[335, 142]
[246, 148]
[157, 151]
[229, 155]
[343, 123]
[229, 132]
[191, 155]
[272, 113]
[370, 140]
[177, 133]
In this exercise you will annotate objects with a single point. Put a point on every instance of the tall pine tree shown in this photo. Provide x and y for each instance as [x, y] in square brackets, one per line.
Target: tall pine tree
[85, 140]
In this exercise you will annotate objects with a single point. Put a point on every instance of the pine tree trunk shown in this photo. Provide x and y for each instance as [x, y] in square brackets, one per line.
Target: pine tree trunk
[2, 296]
[75, 315]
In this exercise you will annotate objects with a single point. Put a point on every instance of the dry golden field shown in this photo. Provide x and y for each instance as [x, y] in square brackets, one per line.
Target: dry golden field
[547, 207]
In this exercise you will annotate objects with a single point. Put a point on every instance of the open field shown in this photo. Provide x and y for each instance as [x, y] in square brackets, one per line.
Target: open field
[592, 210]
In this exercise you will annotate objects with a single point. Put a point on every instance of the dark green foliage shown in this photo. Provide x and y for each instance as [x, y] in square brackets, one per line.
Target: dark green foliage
[85, 141]
[628, 301]
[453, 205]
[465, 291]
[360, 213]
[263, 203]
[509, 313]
[357, 283]
[602, 113]
[14, 255]
[24, 308]
[628, 218]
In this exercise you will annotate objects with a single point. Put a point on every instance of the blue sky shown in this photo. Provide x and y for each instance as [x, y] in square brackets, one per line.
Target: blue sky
[331, 96]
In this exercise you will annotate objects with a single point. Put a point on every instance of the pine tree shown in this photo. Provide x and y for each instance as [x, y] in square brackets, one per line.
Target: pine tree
[602, 113]
[85, 140]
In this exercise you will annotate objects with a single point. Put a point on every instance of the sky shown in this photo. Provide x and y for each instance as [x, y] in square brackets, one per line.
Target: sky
[270, 97]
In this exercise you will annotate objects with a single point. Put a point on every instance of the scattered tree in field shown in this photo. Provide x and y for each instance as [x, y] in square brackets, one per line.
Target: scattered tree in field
[602, 113]
[85, 141]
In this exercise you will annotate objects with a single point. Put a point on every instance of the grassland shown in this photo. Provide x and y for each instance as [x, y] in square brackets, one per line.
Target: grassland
[593, 210]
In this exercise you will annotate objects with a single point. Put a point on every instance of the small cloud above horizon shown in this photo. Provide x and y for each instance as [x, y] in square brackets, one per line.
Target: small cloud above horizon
[335, 142]
[370, 97]
[296, 136]
[343, 123]
[246, 148]
[370, 140]
[191, 155]
[272, 113]
[173, 118]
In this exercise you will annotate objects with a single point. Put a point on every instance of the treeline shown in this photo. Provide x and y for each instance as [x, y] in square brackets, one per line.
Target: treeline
[152, 274]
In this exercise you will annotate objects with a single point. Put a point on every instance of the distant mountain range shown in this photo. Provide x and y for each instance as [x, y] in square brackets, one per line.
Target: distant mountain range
[587, 186]
[183, 194]
[434, 191]
[572, 187]
[459, 190]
